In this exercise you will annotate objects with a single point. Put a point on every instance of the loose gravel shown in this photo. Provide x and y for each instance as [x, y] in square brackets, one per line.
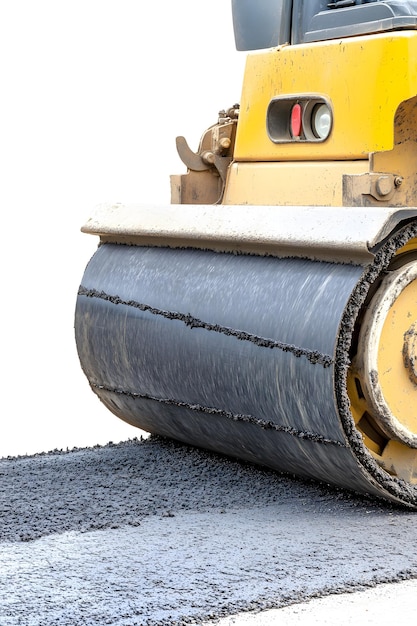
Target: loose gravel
[153, 532]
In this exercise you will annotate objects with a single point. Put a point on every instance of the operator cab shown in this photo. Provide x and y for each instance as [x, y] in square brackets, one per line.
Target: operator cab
[268, 23]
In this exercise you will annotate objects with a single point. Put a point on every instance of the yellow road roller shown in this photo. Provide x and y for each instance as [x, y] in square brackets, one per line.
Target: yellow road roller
[269, 312]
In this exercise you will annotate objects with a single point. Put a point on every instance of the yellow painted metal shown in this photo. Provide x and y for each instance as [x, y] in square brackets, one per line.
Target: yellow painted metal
[289, 184]
[395, 380]
[374, 75]
[374, 440]
[402, 158]
[400, 461]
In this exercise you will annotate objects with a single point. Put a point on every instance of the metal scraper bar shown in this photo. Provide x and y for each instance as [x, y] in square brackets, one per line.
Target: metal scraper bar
[341, 234]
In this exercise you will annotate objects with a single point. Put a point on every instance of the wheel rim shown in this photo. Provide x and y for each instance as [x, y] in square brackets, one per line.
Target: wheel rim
[382, 379]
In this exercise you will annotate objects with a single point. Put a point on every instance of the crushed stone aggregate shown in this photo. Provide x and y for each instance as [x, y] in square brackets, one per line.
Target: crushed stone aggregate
[153, 532]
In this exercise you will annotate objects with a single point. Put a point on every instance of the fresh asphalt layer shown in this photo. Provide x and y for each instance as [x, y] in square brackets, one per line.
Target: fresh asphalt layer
[153, 532]
[383, 605]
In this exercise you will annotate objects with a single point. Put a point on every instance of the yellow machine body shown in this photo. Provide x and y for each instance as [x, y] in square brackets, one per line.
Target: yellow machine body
[364, 78]
[375, 75]
[366, 159]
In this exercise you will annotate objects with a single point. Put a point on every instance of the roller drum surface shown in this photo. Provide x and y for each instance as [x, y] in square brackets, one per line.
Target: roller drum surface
[246, 355]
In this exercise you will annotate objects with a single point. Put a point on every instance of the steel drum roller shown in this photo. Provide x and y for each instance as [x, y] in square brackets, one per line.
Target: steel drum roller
[244, 354]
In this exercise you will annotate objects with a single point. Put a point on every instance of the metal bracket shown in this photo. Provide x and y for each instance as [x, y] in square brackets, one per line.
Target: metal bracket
[206, 159]
[216, 146]
[378, 185]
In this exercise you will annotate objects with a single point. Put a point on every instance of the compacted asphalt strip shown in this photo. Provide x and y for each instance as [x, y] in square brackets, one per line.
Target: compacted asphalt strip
[153, 532]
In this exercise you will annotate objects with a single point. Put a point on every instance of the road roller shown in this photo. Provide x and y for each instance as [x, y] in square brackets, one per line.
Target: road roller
[269, 313]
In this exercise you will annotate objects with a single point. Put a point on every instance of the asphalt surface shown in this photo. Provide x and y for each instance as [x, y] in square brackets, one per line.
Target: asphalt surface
[152, 532]
[383, 605]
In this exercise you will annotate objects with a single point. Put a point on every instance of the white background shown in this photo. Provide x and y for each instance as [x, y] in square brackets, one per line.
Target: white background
[93, 94]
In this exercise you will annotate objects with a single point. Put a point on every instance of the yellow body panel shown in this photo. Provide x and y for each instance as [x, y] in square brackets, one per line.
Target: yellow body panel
[288, 184]
[374, 75]
[397, 384]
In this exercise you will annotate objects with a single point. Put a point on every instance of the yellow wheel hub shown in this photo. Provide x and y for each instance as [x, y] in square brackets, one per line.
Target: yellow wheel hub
[383, 340]
[410, 352]
[382, 381]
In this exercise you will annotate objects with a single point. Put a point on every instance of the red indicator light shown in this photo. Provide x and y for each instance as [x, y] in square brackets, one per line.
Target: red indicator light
[296, 121]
